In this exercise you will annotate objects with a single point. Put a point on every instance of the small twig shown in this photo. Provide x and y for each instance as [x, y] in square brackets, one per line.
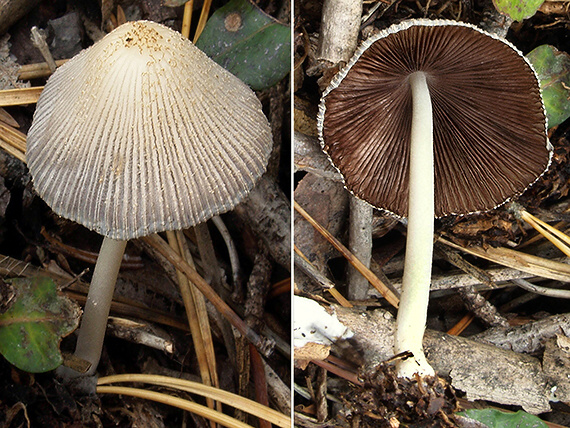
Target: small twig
[321, 395]
[187, 18]
[36, 71]
[139, 333]
[232, 251]
[474, 301]
[340, 25]
[303, 263]
[544, 291]
[257, 288]
[279, 392]
[38, 38]
[481, 307]
[129, 262]
[360, 244]
[339, 371]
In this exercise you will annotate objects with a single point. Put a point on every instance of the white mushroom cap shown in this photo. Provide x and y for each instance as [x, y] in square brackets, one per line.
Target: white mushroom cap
[142, 133]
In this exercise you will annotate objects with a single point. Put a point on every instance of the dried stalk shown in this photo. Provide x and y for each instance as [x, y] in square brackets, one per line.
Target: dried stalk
[20, 97]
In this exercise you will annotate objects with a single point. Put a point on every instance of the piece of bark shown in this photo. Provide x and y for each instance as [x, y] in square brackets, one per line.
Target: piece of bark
[321, 394]
[258, 286]
[530, 337]
[482, 371]
[279, 392]
[327, 202]
[268, 212]
[556, 365]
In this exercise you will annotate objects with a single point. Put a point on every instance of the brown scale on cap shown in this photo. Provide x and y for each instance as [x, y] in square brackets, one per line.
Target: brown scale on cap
[490, 138]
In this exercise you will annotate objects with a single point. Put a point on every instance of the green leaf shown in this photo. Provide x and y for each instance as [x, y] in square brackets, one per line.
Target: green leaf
[553, 68]
[497, 419]
[248, 43]
[30, 331]
[518, 9]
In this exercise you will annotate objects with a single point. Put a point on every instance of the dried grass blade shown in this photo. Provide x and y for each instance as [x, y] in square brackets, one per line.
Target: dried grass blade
[203, 19]
[8, 119]
[187, 18]
[209, 376]
[225, 397]
[189, 406]
[21, 96]
[547, 231]
[528, 263]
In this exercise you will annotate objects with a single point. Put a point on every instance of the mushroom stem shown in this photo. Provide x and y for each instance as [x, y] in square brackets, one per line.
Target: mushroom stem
[412, 312]
[94, 320]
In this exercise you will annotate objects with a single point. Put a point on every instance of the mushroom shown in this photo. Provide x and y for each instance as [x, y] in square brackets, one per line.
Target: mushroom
[433, 118]
[142, 133]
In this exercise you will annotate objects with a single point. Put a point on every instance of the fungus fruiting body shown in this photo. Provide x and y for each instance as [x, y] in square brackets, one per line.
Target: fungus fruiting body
[433, 118]
[142, 133]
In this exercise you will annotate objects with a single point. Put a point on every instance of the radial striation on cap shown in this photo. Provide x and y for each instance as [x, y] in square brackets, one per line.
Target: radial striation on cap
[490, 139]
[142, 133]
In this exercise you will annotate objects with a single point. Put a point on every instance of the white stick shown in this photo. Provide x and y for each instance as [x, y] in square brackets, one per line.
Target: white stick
[412, 313]
[360, 244]
[340, 25]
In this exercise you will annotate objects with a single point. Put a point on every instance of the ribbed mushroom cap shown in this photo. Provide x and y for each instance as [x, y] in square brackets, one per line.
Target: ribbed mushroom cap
[490, 138]
[142, 133]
